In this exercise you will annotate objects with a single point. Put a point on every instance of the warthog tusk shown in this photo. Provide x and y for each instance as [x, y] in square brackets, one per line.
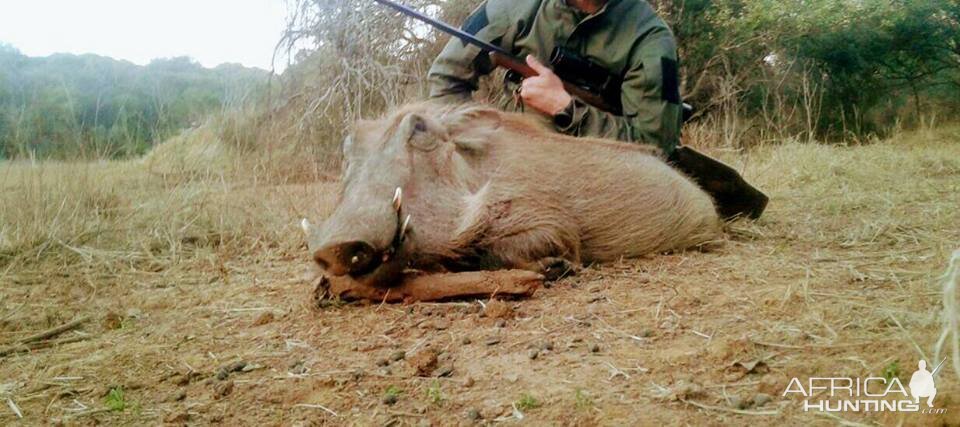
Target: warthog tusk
[403, 228]
[397, 199]
[305, 225]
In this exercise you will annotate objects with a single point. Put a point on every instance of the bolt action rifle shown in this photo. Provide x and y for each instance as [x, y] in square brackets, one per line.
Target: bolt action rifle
[596, 86]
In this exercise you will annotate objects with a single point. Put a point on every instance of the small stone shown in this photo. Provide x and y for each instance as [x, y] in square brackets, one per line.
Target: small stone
[389, 399]
[546, 346]
[468, 382]
[491, 409]
[497, 309]
[501, 323]
[298, 367]
[737, 402]
[423, 362]
[440, 324]
[182, 380]
[595, 348]
[492, 341]
[133, 385]
[225, 371]
[263, 319]
[474, 415]
[382, 362]
[761, 399]
[251, 367]
[534, 354]
[177, 417]
[397, 356]
[444, 371]
[178, 396]
[112, 321]
[223, 389]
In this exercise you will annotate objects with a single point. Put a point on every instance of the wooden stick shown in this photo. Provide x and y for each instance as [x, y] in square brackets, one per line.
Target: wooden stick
[722, 409]
[55, 331]
[20, 348]
[13, 407]
[433, 287]
[315, 406]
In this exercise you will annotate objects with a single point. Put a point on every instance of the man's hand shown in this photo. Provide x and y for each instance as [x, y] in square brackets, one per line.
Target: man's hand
[544, 92]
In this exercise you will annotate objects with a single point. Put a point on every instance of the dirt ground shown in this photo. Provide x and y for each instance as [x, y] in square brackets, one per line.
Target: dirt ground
[838, 279]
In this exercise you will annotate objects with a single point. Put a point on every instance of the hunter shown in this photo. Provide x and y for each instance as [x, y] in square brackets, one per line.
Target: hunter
[626, 37]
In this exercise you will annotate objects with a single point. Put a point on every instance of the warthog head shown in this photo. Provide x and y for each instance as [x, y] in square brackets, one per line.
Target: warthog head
[400, 173]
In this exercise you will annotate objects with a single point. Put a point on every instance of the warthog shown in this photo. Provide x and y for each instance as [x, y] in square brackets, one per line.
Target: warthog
[469, 187]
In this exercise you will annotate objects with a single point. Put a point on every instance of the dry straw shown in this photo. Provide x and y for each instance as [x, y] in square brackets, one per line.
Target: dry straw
[950, 313]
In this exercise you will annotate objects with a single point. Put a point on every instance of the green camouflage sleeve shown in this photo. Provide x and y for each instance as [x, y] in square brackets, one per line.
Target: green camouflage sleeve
[650, 97]
[455, 73]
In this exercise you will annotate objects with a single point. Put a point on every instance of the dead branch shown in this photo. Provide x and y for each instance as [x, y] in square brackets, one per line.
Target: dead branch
[21, 348]
[432, 287]
[49, 333]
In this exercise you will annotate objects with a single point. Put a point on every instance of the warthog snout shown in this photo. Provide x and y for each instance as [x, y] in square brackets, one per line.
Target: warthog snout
[353, 258]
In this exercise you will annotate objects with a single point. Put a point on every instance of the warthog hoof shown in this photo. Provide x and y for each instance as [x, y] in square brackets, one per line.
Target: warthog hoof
[556, 268]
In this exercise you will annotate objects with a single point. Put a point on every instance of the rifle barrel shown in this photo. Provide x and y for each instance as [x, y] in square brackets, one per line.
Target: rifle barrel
[443, 26]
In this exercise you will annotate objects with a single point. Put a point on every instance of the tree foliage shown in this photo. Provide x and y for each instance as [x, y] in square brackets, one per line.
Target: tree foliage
[91, 106]
[864, 63]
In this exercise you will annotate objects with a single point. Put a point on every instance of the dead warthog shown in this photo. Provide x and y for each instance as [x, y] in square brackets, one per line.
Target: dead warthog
[467, 188]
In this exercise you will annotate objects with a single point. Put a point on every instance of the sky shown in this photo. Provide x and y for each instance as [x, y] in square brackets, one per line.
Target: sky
[210, 31]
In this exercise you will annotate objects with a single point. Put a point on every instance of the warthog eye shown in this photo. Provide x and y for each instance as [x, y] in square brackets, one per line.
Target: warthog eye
[420, 136]
[419, 125]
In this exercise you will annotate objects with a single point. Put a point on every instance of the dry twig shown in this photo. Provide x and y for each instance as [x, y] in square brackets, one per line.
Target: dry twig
[49, 333]
[731, 410]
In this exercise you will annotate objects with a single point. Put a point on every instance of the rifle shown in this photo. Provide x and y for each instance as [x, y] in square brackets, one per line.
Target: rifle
[590, 90]
[596, 86]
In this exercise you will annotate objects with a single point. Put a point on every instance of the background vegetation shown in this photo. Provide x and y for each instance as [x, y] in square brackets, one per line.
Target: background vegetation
[757, 70]
[67, 106]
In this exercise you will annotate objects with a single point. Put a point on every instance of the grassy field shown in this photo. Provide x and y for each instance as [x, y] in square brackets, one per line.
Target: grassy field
[187, 268]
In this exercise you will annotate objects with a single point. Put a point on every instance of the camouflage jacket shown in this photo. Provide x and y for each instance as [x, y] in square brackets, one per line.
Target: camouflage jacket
[626, 37]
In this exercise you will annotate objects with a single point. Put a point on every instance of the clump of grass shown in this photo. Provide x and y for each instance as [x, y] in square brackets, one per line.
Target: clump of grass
[120, 213]
[435, 394]
[115, 400]
[527, 402]
[391, 395]
[582, 400]
[951, 325]
[892, 370]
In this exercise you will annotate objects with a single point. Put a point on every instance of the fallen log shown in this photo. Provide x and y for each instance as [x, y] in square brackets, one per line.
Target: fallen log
[419, 286]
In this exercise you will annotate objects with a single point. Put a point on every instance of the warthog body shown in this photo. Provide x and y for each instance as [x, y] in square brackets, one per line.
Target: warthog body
[486, 189]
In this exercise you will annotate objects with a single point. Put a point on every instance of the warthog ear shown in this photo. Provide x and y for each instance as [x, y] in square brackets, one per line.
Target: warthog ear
[470, 128]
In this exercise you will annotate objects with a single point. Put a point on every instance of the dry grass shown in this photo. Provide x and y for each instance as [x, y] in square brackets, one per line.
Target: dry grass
[179, 261]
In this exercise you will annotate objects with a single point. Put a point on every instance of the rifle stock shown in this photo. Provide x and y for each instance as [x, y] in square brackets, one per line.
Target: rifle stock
[520, 67]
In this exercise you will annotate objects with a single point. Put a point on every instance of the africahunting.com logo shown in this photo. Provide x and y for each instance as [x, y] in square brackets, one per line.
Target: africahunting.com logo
[871, 394]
